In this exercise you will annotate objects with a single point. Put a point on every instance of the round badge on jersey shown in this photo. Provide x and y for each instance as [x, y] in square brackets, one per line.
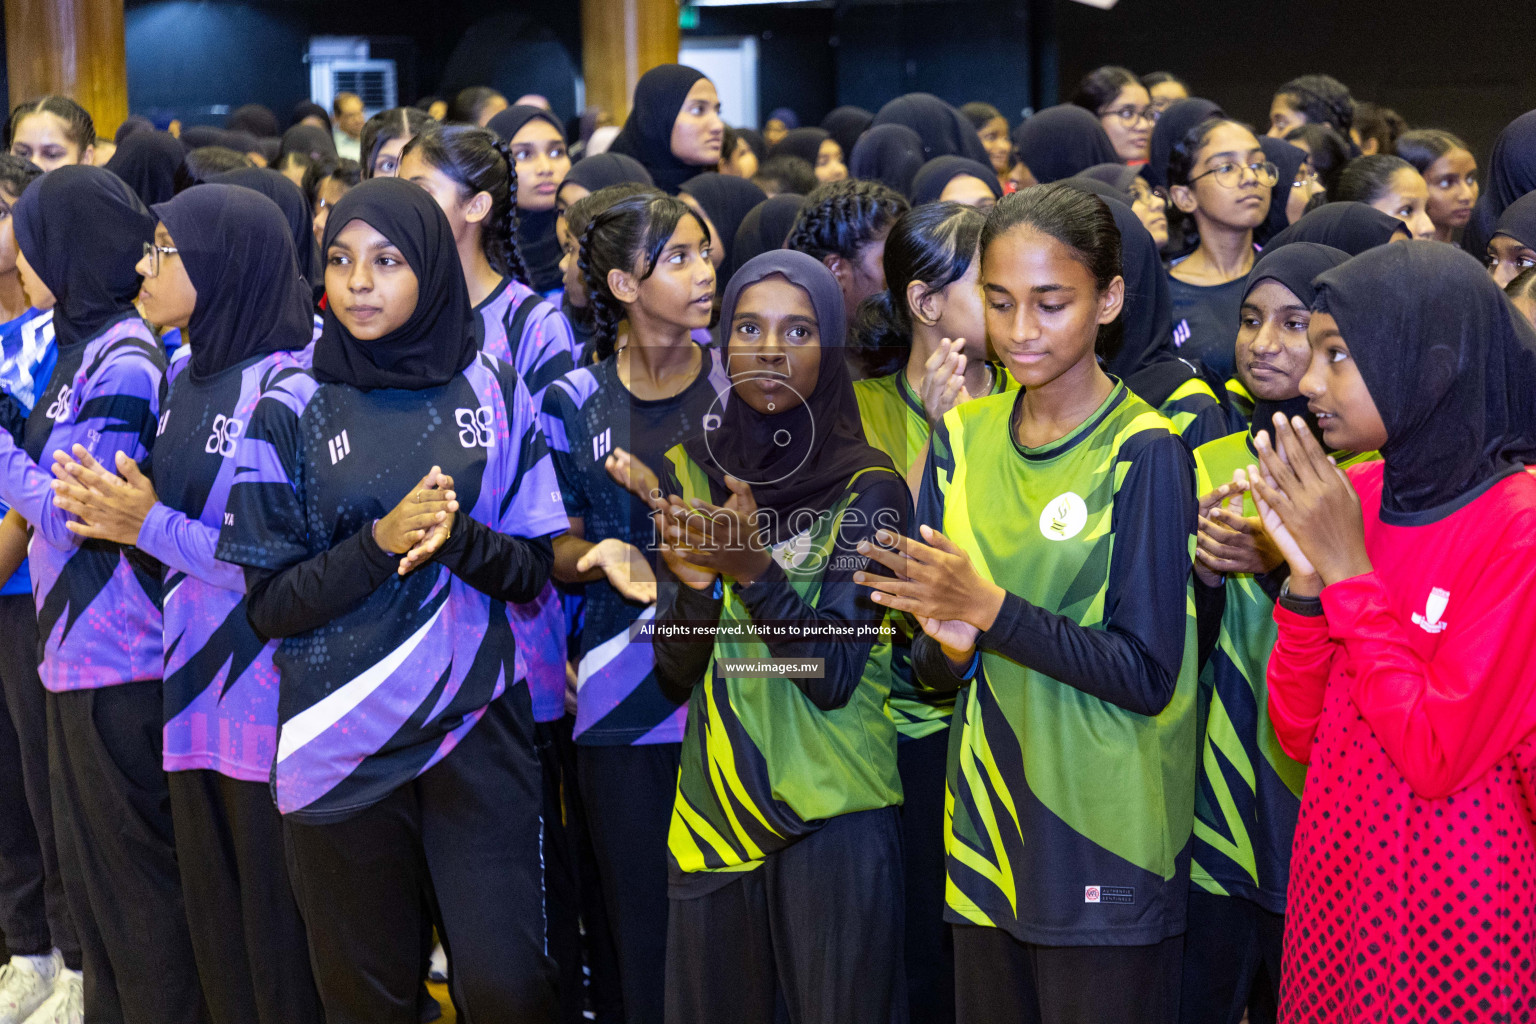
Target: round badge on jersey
[1064, 517]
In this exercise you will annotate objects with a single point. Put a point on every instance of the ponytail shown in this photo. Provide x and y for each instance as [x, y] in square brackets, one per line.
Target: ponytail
[478, 161]
[628, 235]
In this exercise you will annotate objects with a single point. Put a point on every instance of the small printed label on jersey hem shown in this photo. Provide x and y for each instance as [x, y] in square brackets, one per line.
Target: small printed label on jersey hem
[1109, 894]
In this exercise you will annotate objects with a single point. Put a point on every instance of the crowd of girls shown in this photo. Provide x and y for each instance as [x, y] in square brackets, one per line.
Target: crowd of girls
[911, 568]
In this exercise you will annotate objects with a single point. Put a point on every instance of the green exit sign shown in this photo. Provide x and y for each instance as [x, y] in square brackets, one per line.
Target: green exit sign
[688, 17]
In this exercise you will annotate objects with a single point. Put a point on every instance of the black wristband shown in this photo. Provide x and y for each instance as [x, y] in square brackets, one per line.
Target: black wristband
[1311, 607]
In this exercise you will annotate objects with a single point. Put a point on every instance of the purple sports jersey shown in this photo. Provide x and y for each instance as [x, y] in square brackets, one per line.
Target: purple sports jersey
[521, 329]
[221, 687]
[386, 689]
[98, 604]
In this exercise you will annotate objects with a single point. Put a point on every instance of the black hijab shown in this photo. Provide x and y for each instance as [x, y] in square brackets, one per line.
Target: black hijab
[147, 162]
[438, 340]
[929, 184]
[1294, 267]
[536, 237]
[1350, 226]
[1061, 141]
[306, 108]
[804, 143]
[307, 140]
[1289, 159]
[726, 201]
[253, 118]
[944, 130]
[1511, 174]
[891, 154]
[1450, 364]
[238, 251]
[603, 169]
[1146, 318]
[199, 135]
[755, 142]
[647, 133]
[1175, 123]
[83, 230]
[826, 447]
[1518, 220]
[846, 124]
[763, 229]
[131, 125]
[1118, 176]
[290, 199]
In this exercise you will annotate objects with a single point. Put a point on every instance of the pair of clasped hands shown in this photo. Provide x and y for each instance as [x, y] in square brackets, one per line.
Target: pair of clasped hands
[112, 507]
[1309, 516]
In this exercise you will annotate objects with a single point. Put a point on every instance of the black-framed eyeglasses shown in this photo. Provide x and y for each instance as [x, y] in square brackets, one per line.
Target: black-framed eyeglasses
[153, 253]
[1130, 115]
[1230, 174]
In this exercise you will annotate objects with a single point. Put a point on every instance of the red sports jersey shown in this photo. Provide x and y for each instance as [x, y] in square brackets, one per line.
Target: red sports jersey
[1413, 875]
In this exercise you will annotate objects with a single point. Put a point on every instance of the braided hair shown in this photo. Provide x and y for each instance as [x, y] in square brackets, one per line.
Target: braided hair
[628, 235]
[841, 217]
[78, 126]
[1321, 99]
[478, 161]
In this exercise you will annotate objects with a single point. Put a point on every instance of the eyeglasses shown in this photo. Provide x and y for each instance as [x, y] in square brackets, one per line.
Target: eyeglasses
[1230, 175]
[153, 252]
[1304, 177]
[1130, 115]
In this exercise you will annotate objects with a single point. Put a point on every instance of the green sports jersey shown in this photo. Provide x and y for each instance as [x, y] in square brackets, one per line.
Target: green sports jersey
[1249, 791]
[767, 760]
[1071, 781]
[1196, 413]
[894, 423]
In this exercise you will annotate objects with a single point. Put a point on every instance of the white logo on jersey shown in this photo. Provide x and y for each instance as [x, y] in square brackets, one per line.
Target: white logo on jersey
[1064, 517]
[226, 431]
[602, 444]
[61, 405]
[341, 447]
[712, 421]
[229, 519]
[1434, 607]
[165, 418]
[476, 427]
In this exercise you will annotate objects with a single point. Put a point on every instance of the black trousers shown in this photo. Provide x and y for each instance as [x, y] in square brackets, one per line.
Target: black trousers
[247, 934]
[1229, 941]
[930, 949]
[1000, 980]
[467, 832]
[117, 855]
[814, 936]
[628, 794]
[34, 913]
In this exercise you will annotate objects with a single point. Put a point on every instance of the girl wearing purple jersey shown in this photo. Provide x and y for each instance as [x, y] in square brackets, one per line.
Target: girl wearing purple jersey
[224, 270]
[80, 231]
[386, 509]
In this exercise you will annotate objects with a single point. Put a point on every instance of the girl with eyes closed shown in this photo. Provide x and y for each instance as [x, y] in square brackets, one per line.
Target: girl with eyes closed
[1051, 581]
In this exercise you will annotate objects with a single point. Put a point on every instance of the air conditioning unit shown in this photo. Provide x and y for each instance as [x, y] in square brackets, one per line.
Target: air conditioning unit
[340, 64]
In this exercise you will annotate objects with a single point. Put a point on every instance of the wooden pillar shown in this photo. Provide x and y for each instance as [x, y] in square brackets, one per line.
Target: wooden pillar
[620, 41]
[73, 48]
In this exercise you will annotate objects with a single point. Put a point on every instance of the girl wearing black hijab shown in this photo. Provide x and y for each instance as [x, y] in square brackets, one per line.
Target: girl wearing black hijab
[80, 230]
[591, 173]
[674, 126]
[1129, 186]
[786, 878]
[1511, 174]
[1061, 141]
[891, 154]
[1295, 185]
[1244, 827]
[723, 202]
[541, 162]
[846, 125]
[224, 271]
[943, 129]
[1402, 673]
[405, 756]
[289, 199]
[765, 227]
[147, 161]
[1350, 227]
[817, 147]
[956, 179]
[1512, 249]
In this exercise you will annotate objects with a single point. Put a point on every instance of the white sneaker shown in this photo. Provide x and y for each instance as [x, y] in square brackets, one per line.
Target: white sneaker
[23, 987]
[437, 967]
[67, 1003]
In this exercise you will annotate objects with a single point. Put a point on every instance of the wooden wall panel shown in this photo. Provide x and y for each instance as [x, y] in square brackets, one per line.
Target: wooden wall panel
[71, 47]
[620, 41]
